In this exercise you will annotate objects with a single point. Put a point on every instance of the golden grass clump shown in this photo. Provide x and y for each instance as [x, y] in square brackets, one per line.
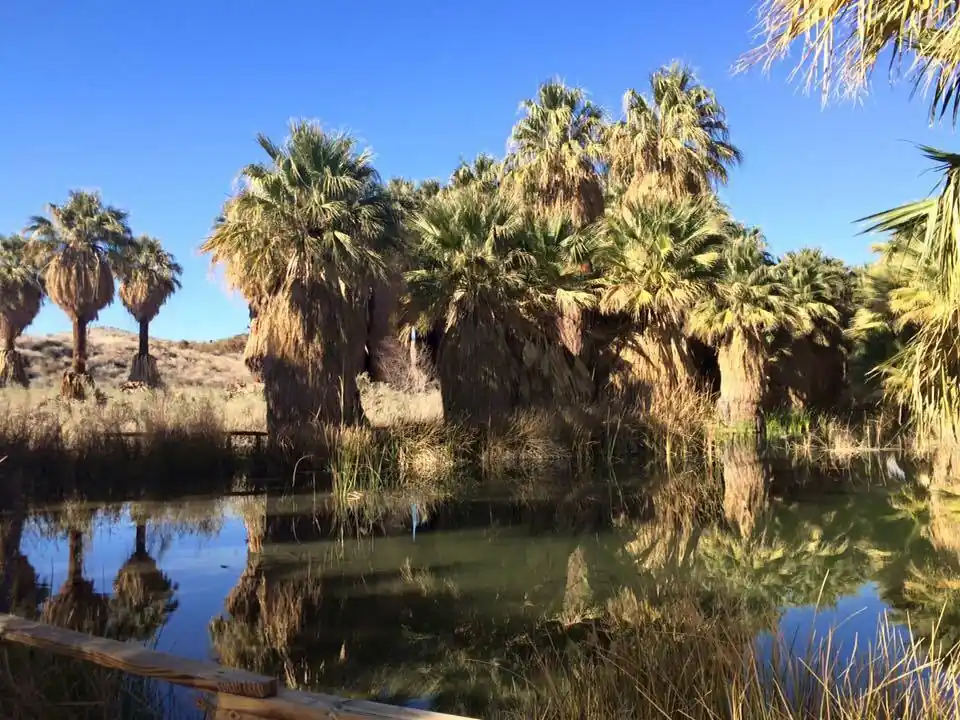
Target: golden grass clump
[531, 442]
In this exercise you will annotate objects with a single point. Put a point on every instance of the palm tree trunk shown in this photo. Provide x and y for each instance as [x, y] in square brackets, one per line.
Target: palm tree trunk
[313, 344]
[144, 348]
[80, 346]
[75, 557]
[140, 548]
[742, 379]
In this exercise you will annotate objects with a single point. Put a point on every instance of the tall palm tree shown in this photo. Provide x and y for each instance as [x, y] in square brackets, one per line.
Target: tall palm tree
[21, 294]
[553, 166]
[487, 277]
[843, 39]
[824, 286]
[79, 246]
[303, 238]
[659, 261]
[149, 276]
[555, 153]
[675, 142]
[750, 302]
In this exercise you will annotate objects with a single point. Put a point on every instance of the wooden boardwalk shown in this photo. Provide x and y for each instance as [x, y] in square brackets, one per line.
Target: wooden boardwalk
[238, 694]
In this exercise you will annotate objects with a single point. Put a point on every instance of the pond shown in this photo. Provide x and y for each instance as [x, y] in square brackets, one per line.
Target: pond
[446, 604]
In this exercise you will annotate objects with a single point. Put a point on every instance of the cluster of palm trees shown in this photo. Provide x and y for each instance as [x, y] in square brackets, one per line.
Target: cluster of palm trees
[913, 303]
[73, 255]
[596, 254]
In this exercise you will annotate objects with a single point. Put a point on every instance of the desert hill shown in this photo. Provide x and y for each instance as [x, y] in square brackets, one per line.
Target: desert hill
[183, 365]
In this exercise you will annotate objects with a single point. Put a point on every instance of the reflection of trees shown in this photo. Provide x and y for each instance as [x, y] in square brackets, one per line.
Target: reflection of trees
[143, 594]
[744, 484]
[18, 580]
[77, 605]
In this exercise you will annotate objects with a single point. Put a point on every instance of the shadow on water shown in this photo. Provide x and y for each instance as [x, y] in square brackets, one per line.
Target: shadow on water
[497, 604]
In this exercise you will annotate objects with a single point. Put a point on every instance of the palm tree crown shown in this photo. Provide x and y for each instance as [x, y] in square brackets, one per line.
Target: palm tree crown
[555, 151]
[21, 290]
[78, 244]
[676, 141]
[150, 275]
[662, 257]
[317, 212]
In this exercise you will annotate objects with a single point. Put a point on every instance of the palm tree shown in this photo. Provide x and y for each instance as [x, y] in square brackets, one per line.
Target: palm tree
[150, 275]
[824, 286]
[923, 240]
[487, 277]
[843, 39]
[660, 260]
[749, 303]
[553, 166]
[303, 239]
[555, 152]
[21, 294]
[675, 142]
[77, 605]
[79, 246]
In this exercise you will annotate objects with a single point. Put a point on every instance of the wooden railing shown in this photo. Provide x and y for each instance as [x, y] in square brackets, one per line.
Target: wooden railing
[238, 694]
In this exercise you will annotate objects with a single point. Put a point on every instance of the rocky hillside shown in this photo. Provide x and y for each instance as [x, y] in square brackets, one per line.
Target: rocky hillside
[183, 364]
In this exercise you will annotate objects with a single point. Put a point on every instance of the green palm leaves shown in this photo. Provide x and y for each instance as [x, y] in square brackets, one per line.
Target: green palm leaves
[489, 277]
[843, 39]
[661, 258]
[555, 151]
[676, 141]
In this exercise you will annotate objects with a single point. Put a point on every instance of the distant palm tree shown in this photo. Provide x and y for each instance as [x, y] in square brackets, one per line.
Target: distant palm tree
[749, 303]
[485, 170]
[21, 294]
[675, 142]
[555, 153]
[149, 276]
[79, 245]
[660, 260]
[824, 286]
[304, 240]
[844, 39]
[488, 278]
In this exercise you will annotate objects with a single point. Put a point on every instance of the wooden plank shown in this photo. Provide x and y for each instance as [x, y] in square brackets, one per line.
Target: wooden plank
[136, 659]
[294, 705]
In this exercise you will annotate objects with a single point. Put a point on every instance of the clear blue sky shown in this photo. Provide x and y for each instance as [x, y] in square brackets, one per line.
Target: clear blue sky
[157, 105]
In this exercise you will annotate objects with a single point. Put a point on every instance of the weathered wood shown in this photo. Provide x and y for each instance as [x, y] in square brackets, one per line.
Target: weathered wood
[238, 694]
[295, 705]
[136, 659]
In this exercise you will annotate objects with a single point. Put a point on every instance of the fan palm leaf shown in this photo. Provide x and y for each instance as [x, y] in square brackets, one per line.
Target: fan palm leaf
[843, 40]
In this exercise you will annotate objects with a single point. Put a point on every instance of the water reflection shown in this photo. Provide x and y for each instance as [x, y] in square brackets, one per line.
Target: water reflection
[489, 587]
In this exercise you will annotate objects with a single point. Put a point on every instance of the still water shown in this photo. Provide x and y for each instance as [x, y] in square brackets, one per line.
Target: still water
[427, 606]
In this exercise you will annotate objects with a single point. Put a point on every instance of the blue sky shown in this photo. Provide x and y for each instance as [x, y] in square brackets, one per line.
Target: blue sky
[157, 105]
